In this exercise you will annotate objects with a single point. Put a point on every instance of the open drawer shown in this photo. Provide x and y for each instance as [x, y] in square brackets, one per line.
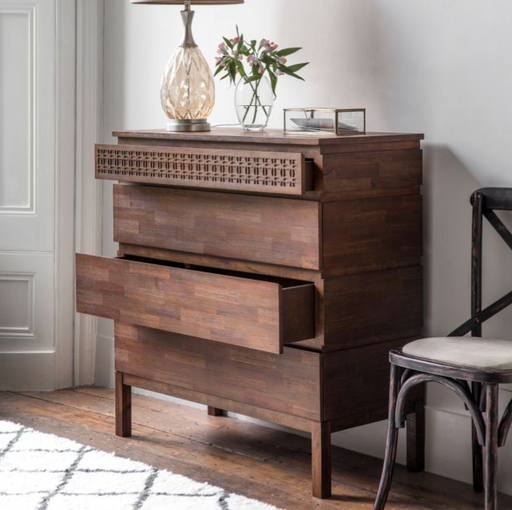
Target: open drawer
[222, 306]
[220, 169]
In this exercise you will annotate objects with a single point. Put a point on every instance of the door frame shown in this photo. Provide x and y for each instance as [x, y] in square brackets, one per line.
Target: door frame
[65, 13]
[89, 198]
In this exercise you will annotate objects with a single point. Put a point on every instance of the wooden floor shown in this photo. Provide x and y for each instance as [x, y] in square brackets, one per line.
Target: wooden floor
[248, 459]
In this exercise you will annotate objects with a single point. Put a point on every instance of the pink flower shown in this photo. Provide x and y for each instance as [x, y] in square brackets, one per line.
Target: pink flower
[235, 40]
[280, 73]
[261, 70]
[222, 46]
[251, 59]
[284, 60]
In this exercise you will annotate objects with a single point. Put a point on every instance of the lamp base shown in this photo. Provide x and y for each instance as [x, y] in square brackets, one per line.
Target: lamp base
[189, 126]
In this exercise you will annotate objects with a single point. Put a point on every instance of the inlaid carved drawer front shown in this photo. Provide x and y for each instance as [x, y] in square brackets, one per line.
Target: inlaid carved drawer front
[258, 229]
[262, 172]
[225, 307]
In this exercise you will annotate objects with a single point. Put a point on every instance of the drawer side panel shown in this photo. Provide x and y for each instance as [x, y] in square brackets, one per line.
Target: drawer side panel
[369, 308]
[372, 234]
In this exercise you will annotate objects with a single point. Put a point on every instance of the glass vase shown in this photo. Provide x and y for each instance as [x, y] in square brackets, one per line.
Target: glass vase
[254, 102]
[188, 88]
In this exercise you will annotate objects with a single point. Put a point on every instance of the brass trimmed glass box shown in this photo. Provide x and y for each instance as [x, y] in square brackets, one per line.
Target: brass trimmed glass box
[341, 122]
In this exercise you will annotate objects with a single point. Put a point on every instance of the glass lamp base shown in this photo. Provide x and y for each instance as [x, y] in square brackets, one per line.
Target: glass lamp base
[187, 126]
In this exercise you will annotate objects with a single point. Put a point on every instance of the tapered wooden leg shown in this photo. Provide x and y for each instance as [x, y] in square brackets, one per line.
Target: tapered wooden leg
[214, 411]
[478, 457]
[391, 443]
[416, 438]
[321, 459]
[123, 407]
[491, 448]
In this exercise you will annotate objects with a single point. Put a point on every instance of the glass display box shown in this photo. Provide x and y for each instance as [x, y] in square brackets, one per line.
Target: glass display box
[340, 122]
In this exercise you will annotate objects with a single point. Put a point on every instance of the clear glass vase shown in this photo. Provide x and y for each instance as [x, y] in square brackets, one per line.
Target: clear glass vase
[254, 102]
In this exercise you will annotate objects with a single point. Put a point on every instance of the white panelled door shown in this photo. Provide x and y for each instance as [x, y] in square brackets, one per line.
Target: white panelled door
[37, 56]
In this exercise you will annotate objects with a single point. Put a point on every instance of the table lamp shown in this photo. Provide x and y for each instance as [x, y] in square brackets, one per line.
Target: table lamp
[188, 87]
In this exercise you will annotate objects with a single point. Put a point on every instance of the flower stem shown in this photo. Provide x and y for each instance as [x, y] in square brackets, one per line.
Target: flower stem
[255, 100]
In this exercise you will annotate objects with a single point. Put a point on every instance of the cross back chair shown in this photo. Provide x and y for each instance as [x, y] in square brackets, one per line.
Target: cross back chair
[471, 367]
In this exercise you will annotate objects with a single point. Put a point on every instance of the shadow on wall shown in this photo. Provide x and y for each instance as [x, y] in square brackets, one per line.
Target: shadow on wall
[448, 187]
[342, 42]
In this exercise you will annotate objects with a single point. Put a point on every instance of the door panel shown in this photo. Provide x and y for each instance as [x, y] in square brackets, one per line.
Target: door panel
[27, 125]
[31, 83]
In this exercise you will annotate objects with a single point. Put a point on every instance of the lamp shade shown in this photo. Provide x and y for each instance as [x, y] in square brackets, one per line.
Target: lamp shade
[182, 2]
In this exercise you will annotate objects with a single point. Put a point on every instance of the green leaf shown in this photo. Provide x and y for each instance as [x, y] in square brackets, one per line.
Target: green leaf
[273, 81]
[297, 67]
[287, 51]
[253, 78]
[254, 42]
[219, 70]
[240, 67]
[228, 42]
[285, 70]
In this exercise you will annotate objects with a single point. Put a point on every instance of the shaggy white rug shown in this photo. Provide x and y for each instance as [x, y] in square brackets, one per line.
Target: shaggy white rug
[45, 472]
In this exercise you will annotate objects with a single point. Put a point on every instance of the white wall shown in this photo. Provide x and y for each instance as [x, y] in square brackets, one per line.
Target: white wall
[432, 66]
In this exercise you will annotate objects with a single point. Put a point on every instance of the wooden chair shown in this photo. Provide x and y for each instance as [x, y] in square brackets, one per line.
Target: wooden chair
[472, 368]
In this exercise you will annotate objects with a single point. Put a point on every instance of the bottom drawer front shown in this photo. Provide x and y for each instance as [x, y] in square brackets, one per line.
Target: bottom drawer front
[289, 383]
[227, 308]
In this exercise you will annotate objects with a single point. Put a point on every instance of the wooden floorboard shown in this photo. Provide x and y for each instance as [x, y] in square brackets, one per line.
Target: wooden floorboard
[255, 461]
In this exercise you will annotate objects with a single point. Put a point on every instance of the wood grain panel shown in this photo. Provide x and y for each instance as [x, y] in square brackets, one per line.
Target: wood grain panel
[287, 383]
[261, 229]
[377, 172]
[358, 382]
[259, 314]
[372, 234]
[373, 307]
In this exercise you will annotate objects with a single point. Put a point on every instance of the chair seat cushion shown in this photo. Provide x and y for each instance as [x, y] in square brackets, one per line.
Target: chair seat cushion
[480, 353]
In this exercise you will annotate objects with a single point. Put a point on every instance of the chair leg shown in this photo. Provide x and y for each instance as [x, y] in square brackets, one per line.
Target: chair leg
[214, 411]
[478, 463]
[478, 457]
[321, 459]
[416, 438]
[391, 443]
[491, 447]
[123, 407]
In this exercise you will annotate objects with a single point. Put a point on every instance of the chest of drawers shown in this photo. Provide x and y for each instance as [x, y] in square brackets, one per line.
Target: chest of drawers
[262, 274]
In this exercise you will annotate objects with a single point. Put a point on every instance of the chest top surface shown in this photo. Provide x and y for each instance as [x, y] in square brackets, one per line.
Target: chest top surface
[270, 137]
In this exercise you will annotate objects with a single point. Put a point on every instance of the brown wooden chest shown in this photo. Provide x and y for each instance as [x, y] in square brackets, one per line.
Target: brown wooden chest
[263, 274]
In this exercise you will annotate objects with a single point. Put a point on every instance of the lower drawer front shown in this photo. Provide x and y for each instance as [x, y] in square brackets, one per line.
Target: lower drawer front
[230, 308]
[289, 383]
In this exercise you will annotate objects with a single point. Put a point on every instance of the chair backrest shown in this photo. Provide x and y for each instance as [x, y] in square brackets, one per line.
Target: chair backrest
[485, 201]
